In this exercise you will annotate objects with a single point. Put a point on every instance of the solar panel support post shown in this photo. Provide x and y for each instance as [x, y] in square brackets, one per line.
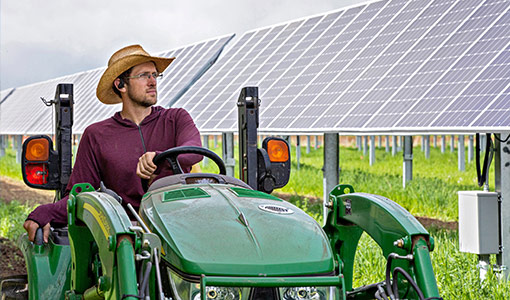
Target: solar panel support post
[298, 150]
[227, 146]
[426, 146]
[316, 142]
[215, 141]
[372, 150]
[365, 142]
[358, 142]
[452, 144]
[443, 143]
[470, 148]
[461, 154]
[423, 143]
[394, 145]
[19, 147]
[435, 141]
[408, 160]
[502, 186]
[330, 169]
[307, 144]
[76, 143]
[483, 138]
[379, 141]
[387, 144]
[2, 145]
[401, 144]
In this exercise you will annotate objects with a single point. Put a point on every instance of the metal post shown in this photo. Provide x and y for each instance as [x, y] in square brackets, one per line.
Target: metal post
[502, 180]
[435, 141]
[298, 150]
[365, 142]
[452, 144]
[19, 148]
[426, 146]
[408, 160]
[228, 152]
[205, 144]
[423, 143]
[483, 141]
[380, 141]
[316, 142]
[2, 145]
[330, 169]
[215, 141]
[470, 149]
[443, 143]
[307, 144]
[372, 150]
[358, 142]
[387, 145]
[77, 139]
[401, 146]
[394, 146]
[461, 154]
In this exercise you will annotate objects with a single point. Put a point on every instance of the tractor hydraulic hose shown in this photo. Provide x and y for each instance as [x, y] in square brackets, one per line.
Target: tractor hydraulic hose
[145, 279]
[389, 290]
[409, 279]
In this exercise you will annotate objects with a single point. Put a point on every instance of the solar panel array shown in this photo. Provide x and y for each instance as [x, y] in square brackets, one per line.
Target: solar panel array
[385, 66]
[22, 112]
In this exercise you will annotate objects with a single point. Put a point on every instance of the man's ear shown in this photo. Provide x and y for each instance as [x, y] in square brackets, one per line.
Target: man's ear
[119, 83]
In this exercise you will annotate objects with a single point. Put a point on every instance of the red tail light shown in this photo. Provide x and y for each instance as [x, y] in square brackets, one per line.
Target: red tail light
[37, 173]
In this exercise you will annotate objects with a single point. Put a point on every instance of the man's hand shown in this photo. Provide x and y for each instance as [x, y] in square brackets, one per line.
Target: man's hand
[146, 166]
[31, 227]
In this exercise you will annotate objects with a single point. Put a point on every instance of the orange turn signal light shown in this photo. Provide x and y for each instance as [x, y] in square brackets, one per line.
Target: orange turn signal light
[277, 151]
[38, 150]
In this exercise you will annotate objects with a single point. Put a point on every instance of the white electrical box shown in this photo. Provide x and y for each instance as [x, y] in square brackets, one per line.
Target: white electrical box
[478, 222]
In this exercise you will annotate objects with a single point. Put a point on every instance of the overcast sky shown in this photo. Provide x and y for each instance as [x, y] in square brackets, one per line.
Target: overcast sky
[40, 40]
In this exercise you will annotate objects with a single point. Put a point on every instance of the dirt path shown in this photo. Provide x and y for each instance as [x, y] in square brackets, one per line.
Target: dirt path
[11, 189]
[11, 258]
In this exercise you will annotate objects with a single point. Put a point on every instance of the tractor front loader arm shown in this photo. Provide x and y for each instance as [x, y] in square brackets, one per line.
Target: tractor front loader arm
[102, 246]
[405, 243]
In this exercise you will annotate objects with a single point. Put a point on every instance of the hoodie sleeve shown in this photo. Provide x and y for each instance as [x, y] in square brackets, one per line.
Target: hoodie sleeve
[85, 170]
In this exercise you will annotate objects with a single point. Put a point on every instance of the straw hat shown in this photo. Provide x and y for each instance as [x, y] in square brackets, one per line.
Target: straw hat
[121, 61]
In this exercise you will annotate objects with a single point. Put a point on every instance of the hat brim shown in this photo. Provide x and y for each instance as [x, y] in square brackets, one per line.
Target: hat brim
[104, 91]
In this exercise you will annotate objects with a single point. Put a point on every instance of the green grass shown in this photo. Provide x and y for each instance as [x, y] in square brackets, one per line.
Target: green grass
[12, 216]
[8, 165]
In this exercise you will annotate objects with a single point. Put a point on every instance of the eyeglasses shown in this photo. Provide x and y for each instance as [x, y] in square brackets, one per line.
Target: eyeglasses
[147, 76]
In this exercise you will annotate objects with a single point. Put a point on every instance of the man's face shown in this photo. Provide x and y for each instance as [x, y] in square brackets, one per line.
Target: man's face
[142, 91]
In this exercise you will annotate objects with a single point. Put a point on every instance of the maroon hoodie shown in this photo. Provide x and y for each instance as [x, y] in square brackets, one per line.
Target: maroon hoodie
[109, 151]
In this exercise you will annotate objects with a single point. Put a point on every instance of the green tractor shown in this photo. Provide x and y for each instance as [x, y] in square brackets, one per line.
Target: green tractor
[212, 236]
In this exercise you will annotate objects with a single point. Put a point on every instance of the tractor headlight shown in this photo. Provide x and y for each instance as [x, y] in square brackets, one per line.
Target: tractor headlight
[183, 289]
[305, 293]
[186, 290]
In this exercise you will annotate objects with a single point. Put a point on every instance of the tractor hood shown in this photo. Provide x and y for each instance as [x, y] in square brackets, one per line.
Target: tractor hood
[220, 229]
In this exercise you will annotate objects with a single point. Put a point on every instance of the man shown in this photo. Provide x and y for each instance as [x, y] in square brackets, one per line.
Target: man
[114, 150]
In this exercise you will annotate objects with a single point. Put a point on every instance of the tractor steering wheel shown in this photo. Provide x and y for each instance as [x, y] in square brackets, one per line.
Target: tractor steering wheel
[170, 155]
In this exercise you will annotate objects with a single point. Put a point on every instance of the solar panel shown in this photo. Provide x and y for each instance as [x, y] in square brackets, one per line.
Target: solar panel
[379, 67]
[24, 113]
[382, 66]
